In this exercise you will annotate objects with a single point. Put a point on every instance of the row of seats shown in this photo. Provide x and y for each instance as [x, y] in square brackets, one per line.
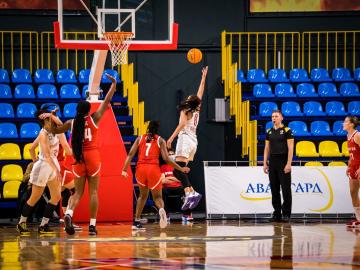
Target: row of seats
[27, 110]
[310, 108]
[298, 75]
[11, 151]
[27, 130]
[326, 149]
[332, 163]
[317, 128]
[47, 76]
[44, 91]
[305, 90]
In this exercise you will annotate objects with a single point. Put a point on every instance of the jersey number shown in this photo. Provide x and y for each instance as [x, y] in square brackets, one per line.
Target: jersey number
[196, 119]
[87, 134]
[148, 146]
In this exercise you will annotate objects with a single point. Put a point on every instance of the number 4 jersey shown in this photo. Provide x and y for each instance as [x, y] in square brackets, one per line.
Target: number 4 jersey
[90, 134]
[149, 151]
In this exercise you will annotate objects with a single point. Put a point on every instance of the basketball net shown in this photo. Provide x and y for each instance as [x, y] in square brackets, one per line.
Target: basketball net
[118, 43]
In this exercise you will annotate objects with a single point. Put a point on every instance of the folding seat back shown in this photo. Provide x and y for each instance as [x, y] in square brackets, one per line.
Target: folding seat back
[11, 189]
[262, 90]
[11, 172]
[8, 130]
[320, 128]
[24, 91]
[241, 76]
[29, 130]
[345, 149]
[335, 108]
[66, 76]
[349, 90]
[284, 90]
[4, 76]
[256, 76]
[329, 149]
[357, 74]
[47, 91]
[70, 110]
[313, 108]
[277, 75]
[291, 108]
[112, 73]
[306, 149]
[354, 108]
[26, 110]
[26, 151]
[69, 91]
[299, 75]
[44, 76]
[21, 76]
[341, 75]
[9, 151]
[6, 110]
[313, 163]
[266, 108]
[299, 128]
[5, 91]
[327, 90]
[84, 75]
[269, 125]
[337, 163]
[320, 75]
[306, 90]
[338, 129]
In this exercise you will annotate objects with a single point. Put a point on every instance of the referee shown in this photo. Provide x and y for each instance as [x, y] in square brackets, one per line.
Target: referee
[278, 154]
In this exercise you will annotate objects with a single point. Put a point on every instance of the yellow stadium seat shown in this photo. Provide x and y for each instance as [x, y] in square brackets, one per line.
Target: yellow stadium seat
[344, 149]
[9, 151]
[337, 163]
[11, 189]
[11, 172]
[329, 149]
[26, 152]
[306, 149]
[313, 163]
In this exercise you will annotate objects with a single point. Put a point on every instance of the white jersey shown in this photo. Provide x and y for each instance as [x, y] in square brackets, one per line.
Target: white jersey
[191, 125]
[53, 143]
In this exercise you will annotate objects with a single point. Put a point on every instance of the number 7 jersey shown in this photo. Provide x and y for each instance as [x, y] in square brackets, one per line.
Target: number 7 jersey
[149, 152]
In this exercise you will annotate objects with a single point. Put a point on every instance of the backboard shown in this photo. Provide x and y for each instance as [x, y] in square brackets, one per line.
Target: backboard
[151, 21]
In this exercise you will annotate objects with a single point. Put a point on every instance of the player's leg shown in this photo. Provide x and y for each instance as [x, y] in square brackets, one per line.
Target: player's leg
[140, 203]
[275, 189]
[157, 197]
[94, 202]
[285, 183]
[354, 192]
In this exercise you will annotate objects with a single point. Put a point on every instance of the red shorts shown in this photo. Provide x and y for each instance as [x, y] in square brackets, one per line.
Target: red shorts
[66, 173]
[149, 175]
[351, 171]
[90, 166]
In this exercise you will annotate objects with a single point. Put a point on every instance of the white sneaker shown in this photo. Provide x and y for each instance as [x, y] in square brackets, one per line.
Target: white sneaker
[163, 218]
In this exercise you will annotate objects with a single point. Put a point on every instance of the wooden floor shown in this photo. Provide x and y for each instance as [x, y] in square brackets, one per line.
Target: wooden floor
[203, 245]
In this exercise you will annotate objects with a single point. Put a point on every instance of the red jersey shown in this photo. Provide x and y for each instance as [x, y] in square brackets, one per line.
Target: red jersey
[149, 152]
[167, 170]
[90, 134]
[354, 150]
[61, 154]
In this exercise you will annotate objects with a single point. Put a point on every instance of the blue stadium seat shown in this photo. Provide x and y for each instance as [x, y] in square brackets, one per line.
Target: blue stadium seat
[111, 72]
[335, 108]
[241, 76]
[299, 75]
[338, 129]
[299, 128]
[349, 90]
[5, 91]
[47, 91]
[6, 110]
[262, 90]
[256, 76]
[320, 75]
[50, 107]
[84, 89]
[26, 110]
[306, 90]
[84, 76]
[4, 76]
[354, 108]
[66, 76]
[21, 76]
[313, 108]
[29, 130]
[341, 75]
[284, 90]
[69, 91]
[266, 108]
[277, 75]
[291, 108]
[44, 76]
[320, 128]
[24, 91]
[8, 130]
[269, 125]
[69, 110]
[327, 90]
[357, 74]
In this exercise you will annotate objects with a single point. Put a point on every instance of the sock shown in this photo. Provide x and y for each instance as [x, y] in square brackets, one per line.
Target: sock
[184, 179]
[22, 219]
[44, 221]
[357, 213]
[69, 212]
[162, 209]
[92, 221]
[65, 196]
[25, 212]
[137, 219]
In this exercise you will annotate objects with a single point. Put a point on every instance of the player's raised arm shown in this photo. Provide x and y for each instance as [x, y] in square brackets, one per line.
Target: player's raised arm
[179, 127]
[61, 128]
[201, 89]
[130, 156]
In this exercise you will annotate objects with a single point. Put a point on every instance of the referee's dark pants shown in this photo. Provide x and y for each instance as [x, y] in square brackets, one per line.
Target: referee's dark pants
[279, 179]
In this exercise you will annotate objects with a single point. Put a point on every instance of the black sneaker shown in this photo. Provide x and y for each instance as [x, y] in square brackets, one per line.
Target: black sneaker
[22, 228]
[45, 230]
[92, 230]
[69, 228]
[137, 226]
[275, 219]
[286, 219]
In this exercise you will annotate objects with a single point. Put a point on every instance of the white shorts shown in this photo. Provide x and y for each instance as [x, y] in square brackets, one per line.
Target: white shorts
[42, 173]
[186, 147]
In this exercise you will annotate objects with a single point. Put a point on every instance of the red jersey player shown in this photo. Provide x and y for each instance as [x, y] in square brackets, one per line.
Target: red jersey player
[148, 174]
[353, 171]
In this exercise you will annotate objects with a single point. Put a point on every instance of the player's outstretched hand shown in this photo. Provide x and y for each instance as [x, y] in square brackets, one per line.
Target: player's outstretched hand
[185, 169]
[111, 78]
[44, 116]
[168, 144]
[124, 174]
[204, 71]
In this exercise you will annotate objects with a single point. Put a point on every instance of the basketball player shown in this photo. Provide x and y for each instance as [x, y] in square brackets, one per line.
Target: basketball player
[187, 141]
[148, 174]
[86, 153]
[350, 124]
[45, 172]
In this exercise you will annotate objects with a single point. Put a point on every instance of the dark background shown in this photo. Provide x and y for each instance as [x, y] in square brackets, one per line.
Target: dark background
[166, 77]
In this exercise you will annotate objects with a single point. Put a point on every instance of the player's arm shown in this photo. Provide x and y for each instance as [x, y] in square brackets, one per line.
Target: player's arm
[130, 156]
[357, 138]
[32, 148]
[45, 148]
[201, 89]
[61, 128]
[103, 106]
[290, 145]
[180, 126]
[64, 143]
[168, 160]
[266, 154]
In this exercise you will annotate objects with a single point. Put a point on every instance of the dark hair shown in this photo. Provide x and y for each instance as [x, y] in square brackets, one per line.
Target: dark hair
[277, 111]
[77, 138]
[37, 114]
[191, 104]
[354, 120]
[152, 130]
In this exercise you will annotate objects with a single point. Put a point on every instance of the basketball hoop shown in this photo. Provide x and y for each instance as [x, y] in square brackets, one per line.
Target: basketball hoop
[118, 43]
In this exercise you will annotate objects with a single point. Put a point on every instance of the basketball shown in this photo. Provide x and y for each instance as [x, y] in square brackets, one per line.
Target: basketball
[194, 56]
